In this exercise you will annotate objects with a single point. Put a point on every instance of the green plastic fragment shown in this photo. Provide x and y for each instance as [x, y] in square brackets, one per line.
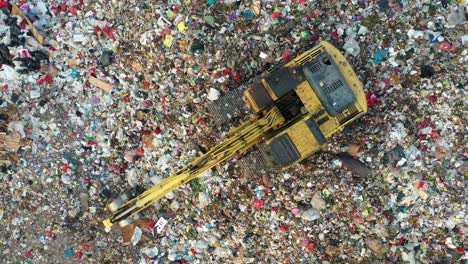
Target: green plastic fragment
[305, 34]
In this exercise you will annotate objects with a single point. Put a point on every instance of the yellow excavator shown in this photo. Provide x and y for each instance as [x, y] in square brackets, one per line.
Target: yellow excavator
[297, 107]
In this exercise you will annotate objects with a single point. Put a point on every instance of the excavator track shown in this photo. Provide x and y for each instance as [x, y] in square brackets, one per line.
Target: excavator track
[253, 163]
[228, 106]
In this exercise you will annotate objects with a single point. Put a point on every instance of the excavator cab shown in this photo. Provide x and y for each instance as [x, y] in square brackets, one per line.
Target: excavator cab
[317, 93]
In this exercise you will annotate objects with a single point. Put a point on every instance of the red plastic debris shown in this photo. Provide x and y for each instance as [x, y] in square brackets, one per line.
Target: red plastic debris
[358, 220]
[283, 228]
[151, 223]
[236, 76]
[433, 99]
[147, 103]
[108, 32]
[447, 46]
[52, 48]
[371, 98]
[387, 83]
[140, 152]
[47, 79]
[29, 254]
[24, 54]
[157, 131]
[65, 167]
[145, 132]
[287, 55]
[315, 38]
[84, 246]
[422, 137]
[310, 247]
[460, 250]
[335, 35]
[91, 142]
[79, 255]
[421, 184]
[54, 8]
[194, 252]
[401, 241]
[146, 85]
[434, 134]
[227, 71]
[425, 123]
[50, 235]
[73, 10]
[201, 121]
[258, 204]
[275, 15]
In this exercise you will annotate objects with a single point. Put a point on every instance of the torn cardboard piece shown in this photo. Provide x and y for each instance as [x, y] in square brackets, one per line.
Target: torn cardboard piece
[100, 84]
[10, 142]
[137, 66]
[72, 62]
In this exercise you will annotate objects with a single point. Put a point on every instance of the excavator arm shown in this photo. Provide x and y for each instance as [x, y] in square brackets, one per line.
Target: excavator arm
[244, 137]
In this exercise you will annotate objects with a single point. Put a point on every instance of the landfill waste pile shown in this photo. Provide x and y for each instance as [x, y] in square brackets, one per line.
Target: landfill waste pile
[101, 96]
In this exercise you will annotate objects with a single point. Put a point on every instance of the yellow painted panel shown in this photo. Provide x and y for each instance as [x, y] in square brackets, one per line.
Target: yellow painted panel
[250, 101]
[269, 90]
[329, 127]
[308, 97]
[303, 138]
